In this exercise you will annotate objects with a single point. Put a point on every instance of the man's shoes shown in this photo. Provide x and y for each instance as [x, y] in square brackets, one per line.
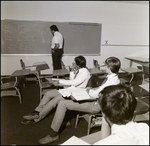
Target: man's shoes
[27, 122]
[31, 116]
[68, 125]
[48, 139]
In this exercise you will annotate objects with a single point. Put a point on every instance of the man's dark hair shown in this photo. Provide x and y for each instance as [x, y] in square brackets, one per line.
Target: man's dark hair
[54, 27]
[113, 63]
[117, 103]
[80, 61]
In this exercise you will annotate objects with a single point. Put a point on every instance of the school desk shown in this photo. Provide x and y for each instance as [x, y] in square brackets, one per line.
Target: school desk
[60, 72]
[139, 60]
[96, 71]
[21, 72]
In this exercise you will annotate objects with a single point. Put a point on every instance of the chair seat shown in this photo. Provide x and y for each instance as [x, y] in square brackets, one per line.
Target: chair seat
[96, 122]
[7, 85]
[46, 84]
[9, 93]
[141, 107]
[93, 120]
[9, 88]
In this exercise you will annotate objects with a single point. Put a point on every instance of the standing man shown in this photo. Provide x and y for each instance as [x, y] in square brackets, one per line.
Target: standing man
[56, 47]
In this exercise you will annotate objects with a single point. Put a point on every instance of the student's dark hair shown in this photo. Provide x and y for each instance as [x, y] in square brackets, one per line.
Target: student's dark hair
[118, 103]
[54, 27]
[80, 61]
[113, 63]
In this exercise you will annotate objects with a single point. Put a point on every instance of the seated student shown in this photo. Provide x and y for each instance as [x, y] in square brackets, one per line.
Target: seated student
[118, 104]
[78, 79]
[112, 67]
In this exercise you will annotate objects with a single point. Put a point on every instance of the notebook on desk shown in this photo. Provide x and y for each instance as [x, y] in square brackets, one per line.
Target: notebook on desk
[76, 94]
[82, 95]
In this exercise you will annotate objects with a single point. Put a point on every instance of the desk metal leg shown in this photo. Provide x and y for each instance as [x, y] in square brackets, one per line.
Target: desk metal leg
[18, 92]
[131, 78]
[131, 63]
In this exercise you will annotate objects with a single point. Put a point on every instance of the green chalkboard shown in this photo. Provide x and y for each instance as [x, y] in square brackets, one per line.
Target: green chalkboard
[33, 37]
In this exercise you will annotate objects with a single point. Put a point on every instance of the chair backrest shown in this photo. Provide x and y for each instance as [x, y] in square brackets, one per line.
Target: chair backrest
[93, 81]
[63, 65]
[146, 70]
[95, 63]
[145, 73]
[22, 64]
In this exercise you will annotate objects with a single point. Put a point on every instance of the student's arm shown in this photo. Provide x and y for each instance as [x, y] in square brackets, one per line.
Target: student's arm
[80, 78]
[95, 91]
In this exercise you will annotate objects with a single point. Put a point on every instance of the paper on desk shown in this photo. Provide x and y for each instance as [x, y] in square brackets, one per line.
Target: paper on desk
[75, 141]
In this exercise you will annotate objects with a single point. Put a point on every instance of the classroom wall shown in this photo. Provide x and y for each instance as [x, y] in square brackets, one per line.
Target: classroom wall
[124, 25]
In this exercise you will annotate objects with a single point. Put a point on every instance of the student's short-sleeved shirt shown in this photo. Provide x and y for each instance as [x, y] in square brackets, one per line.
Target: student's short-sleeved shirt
[57, 39]
[130, 134]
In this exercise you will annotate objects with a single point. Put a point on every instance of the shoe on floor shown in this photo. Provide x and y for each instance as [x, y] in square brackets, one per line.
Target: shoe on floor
[48, 139]
[68, 125]
[31, 116]
[27, 122]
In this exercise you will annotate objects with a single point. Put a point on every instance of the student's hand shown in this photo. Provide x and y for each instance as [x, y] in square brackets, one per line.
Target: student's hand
[88, 88]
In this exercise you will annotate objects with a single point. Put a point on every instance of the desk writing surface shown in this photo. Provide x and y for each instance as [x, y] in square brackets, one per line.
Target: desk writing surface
[96, 71]
[42, 66]
[21, 72]
[92, 138]
[60, 72]
[131, 70]
[56, 82]
[138, 59]
[145, 86]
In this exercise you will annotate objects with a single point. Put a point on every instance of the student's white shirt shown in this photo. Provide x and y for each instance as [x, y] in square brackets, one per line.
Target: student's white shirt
[57, 39]
[130, 134]
[112, 79]
[80, 80]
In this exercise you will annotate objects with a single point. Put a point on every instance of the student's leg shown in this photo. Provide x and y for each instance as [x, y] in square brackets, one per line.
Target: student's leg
[65, 105]
[62, 107]
[48, 107]
[46, 98]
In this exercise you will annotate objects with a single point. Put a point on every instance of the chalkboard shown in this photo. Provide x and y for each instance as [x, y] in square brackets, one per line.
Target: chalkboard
[33, 37]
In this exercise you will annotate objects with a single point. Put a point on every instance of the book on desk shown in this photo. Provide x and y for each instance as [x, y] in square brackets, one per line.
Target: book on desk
[76, 94]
